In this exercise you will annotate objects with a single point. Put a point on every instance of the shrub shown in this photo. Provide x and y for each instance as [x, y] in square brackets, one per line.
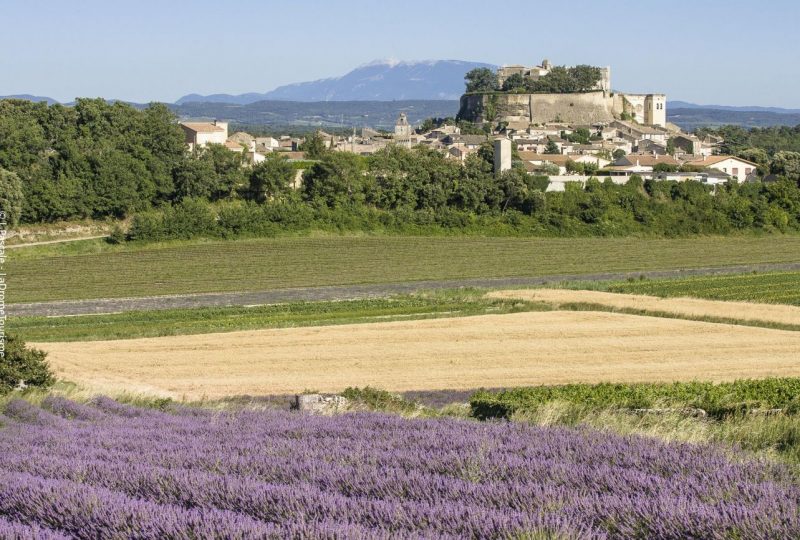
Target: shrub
[117, 235]
[22, 364]
[717, 400]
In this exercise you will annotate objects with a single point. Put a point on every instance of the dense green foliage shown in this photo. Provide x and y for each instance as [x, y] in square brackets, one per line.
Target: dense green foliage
[11, 197]
[419, 190]
[718, 400]
[91, 160]
[481, 80]
[560, 80]
[778, 287]
[769, 139]
[21, 364]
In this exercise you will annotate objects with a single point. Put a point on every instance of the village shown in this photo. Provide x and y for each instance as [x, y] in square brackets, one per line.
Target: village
[623, 135]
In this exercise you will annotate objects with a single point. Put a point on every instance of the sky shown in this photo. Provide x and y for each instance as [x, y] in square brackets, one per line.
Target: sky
[732, 52]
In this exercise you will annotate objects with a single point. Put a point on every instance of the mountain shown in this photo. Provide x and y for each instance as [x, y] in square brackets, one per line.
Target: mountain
[377, 81]
[240, 99]
[29, 97]
[691, 118]
[323, 114]
[750, 108]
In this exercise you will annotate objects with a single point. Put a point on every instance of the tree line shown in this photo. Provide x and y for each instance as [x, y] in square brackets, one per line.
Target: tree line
[559, 80]
[110, 160]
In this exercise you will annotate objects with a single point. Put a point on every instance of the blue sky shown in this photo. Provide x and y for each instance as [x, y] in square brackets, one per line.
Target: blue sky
[730, 52]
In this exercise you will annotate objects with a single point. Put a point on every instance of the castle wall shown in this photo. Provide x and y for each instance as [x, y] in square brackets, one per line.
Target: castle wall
[583, 108]
[579, 108]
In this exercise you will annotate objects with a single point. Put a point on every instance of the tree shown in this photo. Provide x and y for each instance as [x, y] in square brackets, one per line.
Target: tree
[665, 167]
[515, 82]
[618, 154]
[480, 80]
[20, 364]
[671, 146]
[551, 148]
[574, 167]
[314, 146]
[11, 197]
[758, 156]
[786, 164]
[335, 180]
[271, 178]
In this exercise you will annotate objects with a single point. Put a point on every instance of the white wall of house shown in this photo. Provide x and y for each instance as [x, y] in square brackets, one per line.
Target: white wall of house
[735, 167]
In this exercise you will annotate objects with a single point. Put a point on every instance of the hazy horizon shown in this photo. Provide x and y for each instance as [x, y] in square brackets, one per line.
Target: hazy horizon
[705, 53]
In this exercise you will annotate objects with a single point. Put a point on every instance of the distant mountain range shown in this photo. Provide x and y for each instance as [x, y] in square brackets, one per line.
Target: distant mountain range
[751, 108]
[373, 94]
[321, 114]
[377, 81]
[29, 97]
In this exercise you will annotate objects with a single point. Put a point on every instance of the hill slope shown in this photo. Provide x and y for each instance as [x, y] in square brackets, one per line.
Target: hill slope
[376, 81]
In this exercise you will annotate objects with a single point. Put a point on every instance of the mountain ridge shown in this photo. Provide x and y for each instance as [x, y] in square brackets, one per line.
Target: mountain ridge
[381, 80]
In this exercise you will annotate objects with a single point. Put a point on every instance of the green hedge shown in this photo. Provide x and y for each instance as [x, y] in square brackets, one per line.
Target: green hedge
[718, 400]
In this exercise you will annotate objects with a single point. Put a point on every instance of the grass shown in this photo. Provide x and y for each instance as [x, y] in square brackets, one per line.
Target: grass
[718, 400]
[771, 287]
[740, 413]
[94, 269]
[775, 437]
[138, 324]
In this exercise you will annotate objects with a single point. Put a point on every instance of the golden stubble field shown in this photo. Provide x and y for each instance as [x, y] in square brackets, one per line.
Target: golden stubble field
[458, 353]
[686, 307]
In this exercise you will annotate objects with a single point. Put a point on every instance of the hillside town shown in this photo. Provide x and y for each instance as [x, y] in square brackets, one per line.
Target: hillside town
[564, 152]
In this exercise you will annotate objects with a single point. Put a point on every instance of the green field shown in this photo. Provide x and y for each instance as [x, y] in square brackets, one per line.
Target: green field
[771, 287]
[172, 322]
[92, 270]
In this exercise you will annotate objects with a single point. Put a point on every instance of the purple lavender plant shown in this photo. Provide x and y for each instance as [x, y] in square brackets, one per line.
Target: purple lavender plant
[111, 470]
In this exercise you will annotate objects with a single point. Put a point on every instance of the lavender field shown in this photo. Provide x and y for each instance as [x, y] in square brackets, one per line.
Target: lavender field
[109, 470]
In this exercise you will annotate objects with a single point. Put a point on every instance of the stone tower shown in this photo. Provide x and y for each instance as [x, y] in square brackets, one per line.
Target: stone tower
[502, 155]
[402, 130]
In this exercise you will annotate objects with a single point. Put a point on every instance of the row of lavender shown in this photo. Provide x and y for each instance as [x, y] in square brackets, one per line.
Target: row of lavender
[108, 470]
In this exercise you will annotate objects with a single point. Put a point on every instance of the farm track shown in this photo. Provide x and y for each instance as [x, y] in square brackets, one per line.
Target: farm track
[348, 292]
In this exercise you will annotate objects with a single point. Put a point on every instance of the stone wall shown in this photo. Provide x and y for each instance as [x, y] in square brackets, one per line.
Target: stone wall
[579, 108]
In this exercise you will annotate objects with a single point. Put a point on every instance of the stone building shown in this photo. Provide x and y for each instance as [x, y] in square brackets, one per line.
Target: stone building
[402, 130]
[599, 105]
[199, 134]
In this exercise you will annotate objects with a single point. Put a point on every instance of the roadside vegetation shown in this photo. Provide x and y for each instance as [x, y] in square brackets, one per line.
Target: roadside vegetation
[82, 270]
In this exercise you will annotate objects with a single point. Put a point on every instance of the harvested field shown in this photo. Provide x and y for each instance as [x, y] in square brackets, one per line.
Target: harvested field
[690, 307]
[483, 351]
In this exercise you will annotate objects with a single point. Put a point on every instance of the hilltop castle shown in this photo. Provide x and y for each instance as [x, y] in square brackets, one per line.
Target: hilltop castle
[599, 104]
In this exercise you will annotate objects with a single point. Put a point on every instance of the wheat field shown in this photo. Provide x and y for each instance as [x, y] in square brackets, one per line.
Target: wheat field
[460, 353]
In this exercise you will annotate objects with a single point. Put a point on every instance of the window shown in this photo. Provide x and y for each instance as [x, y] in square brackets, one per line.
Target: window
[748, 171]
[735, 171]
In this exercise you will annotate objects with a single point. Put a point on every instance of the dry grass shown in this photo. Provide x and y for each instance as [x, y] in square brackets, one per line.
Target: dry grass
[689, 307]
[482, 351]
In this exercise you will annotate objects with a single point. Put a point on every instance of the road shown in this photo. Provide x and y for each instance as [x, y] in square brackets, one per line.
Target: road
[346, 292]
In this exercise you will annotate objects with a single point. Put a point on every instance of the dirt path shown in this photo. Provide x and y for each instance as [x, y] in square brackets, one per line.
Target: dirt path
[346, 292]
[61, 241]
[691, 307]
[472, 352]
